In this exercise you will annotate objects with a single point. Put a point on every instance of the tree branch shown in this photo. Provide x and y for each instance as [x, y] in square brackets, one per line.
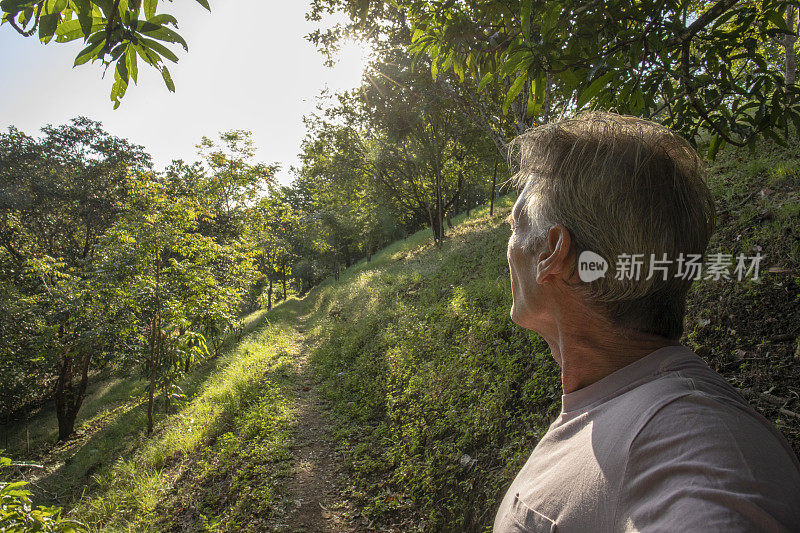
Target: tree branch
[23, 31]
[702, 21]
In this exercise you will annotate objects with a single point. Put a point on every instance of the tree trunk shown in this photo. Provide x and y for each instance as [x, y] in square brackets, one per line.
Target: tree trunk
[269, 295]
[456, 198]
[283, 272]
[494, 185]
[788, 43]
[432, 220]
[166, 396]
[69, 395]
[438, 230]
[66, 424]
[439, 212]
[153, 364]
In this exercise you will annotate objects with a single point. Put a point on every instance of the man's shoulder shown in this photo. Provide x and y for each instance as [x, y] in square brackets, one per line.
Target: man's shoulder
[706, 457]
[687, 402]
[686, 384]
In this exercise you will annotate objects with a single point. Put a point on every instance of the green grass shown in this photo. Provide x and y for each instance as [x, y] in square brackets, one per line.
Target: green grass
[237, 424]
[418, 356]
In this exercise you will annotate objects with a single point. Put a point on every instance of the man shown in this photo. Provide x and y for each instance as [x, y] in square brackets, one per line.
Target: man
[649, 437]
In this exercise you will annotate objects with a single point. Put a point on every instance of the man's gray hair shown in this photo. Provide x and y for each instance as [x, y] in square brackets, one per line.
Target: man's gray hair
[620, 185]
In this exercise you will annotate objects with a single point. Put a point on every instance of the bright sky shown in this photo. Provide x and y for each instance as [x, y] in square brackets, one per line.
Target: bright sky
[248, 67]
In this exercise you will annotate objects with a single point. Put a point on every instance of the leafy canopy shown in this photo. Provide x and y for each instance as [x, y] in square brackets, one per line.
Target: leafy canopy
[116, 33]
[697, 66]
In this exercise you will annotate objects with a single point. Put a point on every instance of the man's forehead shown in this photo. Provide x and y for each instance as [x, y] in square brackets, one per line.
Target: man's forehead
[522, 200]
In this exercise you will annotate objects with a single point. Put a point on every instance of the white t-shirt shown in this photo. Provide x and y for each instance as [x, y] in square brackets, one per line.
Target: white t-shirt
[663, 444]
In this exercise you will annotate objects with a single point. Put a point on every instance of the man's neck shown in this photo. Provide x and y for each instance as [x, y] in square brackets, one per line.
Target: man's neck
[588, 351]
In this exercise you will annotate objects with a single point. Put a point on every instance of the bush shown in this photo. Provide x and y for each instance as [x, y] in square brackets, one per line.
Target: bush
[18, 515]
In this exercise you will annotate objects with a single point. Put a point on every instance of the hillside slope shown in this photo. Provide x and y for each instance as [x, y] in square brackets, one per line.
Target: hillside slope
[401, 397]
[441, 397]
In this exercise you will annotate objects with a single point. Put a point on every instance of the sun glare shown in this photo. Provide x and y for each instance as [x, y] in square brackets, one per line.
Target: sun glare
[353, 60]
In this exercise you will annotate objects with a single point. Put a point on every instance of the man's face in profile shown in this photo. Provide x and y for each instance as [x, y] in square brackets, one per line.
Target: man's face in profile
[522, 268]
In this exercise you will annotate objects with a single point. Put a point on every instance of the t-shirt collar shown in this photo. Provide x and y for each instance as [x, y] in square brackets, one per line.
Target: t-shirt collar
[649, 365]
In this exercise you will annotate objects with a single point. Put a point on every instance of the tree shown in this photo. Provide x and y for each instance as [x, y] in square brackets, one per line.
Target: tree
[166, 271]
[277, 225]
[420, 147]
[116, 32]
[58, 195]
[699, 67]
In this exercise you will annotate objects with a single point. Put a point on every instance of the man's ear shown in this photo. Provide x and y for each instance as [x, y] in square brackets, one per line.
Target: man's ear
[554, 260]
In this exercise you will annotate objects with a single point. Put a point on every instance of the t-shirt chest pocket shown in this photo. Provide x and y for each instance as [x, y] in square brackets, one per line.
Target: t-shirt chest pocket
[521, 518]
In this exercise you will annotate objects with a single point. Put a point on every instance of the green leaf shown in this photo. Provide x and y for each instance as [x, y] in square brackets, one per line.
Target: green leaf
[159, 48]
[778, 20]
[90, 52]
[14, 485]
[487, 78]
[512, 62]
[530, 110]
[539, 86]
[593, 89]
[84, 10]
[536, 97]
[74, 29]
[150, 56]
[163, 19]
[550, 18]
[122, 8]
[15, 6]
[204, 3]
[121, 72]
[515, 89]
[150, 8]
[458, 68]
[167, 79]
[130, 63]
[163, 34]
[47, 26]
[120, 82]
[714, 146]
[525, 15]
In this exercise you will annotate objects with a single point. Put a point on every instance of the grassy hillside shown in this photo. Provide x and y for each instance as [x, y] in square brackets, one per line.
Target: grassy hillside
[431, 397]
[441, 398]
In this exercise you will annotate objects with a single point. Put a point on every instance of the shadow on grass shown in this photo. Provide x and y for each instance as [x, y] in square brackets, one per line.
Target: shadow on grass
[112, 433]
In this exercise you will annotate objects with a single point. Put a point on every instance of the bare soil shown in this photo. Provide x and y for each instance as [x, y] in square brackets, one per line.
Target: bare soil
[317, 475]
